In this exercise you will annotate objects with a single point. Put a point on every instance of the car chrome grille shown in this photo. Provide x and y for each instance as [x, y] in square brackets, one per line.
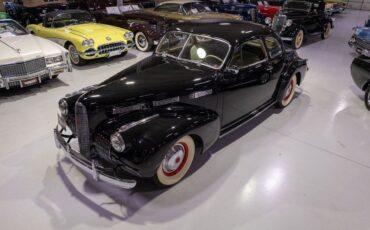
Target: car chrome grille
[278, 23]
[107, 48]
[24, 68]
[82, 129]
[362, 43]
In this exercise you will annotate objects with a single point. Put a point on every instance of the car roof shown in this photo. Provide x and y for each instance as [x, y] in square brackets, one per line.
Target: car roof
[233, 31]
[55, 13]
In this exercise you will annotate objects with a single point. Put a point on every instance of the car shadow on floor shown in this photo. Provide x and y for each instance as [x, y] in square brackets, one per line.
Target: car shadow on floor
[180, 199]
[20, 93]
[105, 61]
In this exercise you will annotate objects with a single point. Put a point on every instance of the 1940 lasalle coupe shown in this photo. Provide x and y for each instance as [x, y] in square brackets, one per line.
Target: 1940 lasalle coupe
[203, 81]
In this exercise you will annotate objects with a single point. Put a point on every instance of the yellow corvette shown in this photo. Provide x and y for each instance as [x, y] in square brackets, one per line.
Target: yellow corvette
[77, 31]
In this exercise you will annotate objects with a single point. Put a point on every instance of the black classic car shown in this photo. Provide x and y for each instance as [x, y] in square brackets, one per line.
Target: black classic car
[147, 26]
[203, 81]
[300, 19]
[30, 12]
[360, 70]
[360, 39]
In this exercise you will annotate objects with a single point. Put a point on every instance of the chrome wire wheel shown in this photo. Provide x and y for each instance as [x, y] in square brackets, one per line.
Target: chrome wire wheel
[176, 162]
[73, 53]
[298, 40]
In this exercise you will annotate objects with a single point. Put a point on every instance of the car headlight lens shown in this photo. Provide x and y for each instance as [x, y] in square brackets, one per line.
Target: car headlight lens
[268, 21]
[117, 142]
[52, 60]
[88, 42]
[63, 107]
[289, 22]
[129, 35]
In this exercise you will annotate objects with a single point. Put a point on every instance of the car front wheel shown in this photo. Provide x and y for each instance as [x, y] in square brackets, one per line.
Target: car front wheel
[298, 39]
[367, 98]
[74, 56]
[289, 92]
[176, 162]
[142, 42]
[326, 32]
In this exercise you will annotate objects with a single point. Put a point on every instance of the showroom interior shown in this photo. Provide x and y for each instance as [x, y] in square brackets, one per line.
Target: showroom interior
[185, 114]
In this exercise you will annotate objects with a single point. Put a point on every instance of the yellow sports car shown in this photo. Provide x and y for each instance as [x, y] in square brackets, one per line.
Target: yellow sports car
[77, 31]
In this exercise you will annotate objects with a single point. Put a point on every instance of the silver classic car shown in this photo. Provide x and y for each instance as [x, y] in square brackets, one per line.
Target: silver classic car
[26, 59]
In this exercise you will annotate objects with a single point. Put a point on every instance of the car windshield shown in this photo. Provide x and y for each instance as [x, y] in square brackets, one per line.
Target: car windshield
[66, 19]
[298, 5]
[11, 29]
[196, 8]
[200, 49]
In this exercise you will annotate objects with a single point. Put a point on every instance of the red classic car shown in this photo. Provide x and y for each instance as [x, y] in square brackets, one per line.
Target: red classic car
[265, 9]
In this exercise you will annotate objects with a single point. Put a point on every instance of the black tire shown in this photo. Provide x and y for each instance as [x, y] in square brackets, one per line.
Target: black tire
[326, 33]
[75, 59]
[54, 76]
[142, 42]
[288, 93]
[176, 163]
[298, 39]
[367, 98]
[124, 53]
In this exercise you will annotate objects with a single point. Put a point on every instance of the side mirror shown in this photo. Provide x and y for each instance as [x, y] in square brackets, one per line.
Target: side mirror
[232, 69]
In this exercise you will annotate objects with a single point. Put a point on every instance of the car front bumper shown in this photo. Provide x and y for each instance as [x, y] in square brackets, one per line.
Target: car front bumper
[91, 166]
[34, 78]
[358, 48]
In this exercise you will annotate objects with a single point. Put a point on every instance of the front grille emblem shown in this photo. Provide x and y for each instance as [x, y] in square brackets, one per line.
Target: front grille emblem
[108, 38]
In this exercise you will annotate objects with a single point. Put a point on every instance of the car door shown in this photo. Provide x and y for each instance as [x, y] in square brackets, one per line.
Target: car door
[246, 82]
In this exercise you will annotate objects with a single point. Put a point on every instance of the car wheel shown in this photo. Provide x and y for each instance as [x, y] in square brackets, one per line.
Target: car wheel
[74, 56]
[54, 76]
[298, 39]
[289, 92]
[142, 42]
[326, 32]
[176, 162]
[367, 98]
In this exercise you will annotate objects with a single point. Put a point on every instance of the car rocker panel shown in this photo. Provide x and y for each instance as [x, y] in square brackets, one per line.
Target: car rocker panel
[26, 59]
[86, 40]
[146, 123]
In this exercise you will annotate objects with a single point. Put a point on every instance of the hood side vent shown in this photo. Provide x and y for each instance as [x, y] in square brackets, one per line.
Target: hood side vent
[82, 129]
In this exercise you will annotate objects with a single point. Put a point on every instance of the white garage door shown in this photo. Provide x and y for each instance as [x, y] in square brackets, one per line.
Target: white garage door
[359, 4]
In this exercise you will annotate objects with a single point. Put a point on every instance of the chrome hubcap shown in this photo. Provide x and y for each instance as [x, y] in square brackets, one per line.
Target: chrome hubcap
[142, 41]
[299, 39]
[174, 158]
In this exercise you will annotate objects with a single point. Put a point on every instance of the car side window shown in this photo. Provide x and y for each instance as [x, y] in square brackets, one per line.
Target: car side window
[273, 46]
[250, 53]
[168, 8]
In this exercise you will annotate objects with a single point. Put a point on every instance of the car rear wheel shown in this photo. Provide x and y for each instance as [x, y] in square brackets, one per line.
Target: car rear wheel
[74, 56]
[176, 162]
[298, 39]
[289, 92]
[326, 32]
[142, 42]
[367, 98]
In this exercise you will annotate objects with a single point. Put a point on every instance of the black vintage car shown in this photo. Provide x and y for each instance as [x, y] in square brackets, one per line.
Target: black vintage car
[147, 26]
[203, 81]
[360, 70]
[300, 19]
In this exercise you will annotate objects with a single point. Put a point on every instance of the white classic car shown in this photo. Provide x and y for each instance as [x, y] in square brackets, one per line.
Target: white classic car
[26, 59]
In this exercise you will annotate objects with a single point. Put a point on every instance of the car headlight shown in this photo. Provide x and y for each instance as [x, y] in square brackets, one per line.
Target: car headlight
[268, 21]
[63, 107]
[117, 142]
[129, 35]
[288, 23]
[52, 60]
[88, 42]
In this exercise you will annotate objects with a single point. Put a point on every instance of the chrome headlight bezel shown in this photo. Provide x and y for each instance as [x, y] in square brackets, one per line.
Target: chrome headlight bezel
[88, 43]
[289, 22]
[128, 35]
[117, 142]
[63, 107]
[54, 59]
[268, 20]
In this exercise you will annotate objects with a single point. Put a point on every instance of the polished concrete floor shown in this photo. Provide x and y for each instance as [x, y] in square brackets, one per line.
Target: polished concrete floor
[305, 167]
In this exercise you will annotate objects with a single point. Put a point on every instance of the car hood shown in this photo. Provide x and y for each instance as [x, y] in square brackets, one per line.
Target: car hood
[96, 31]
[144, 14]
[209, 15]
[294, 14]
[163, 79]
[26, 47]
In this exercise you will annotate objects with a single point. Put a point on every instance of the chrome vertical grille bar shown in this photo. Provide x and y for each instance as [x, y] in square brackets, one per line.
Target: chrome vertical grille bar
[82, 129]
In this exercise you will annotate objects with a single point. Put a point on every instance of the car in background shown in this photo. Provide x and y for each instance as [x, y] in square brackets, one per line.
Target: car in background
[190, 10]
[147, 27]
[360, 71]
[265, 8]
[300, 19]
[77, 31]
[28, 11]
[27, 60]
[336, 6]
[246, 10]
[360, 40]
[204, 80]
[276, 2]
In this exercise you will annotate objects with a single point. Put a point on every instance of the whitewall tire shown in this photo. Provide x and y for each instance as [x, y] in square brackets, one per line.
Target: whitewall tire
[142, 42]
[289, 92]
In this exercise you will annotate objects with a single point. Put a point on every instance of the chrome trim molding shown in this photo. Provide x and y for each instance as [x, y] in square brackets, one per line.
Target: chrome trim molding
[118, 110]
[135, 123]
[200, 94]
[166, 101]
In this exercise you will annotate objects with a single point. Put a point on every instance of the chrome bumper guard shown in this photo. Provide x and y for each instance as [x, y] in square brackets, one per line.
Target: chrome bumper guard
[90, 167]
[286, 39]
